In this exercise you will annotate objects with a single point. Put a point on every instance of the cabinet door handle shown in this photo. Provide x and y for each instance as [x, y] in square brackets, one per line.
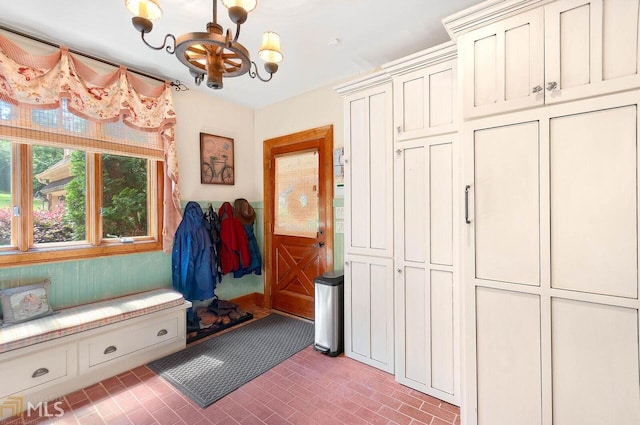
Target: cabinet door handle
[318, 245]
[399, 128]
[40, 372]
[110, 349]
[162, 332]
[399, 271]
[466, 204]
[346, 263]
[536, 89]
[552, 85]
[398, 152]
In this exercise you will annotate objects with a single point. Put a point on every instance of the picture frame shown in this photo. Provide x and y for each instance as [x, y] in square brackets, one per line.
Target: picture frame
[216, 160]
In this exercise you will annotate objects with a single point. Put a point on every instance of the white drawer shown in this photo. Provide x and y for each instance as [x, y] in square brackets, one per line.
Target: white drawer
[118, 343]
[31, 370]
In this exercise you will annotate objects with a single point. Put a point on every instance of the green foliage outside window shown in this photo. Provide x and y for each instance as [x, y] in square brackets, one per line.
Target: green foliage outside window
[124, 197]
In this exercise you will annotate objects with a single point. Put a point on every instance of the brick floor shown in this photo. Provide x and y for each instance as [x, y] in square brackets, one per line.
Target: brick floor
[308, 388]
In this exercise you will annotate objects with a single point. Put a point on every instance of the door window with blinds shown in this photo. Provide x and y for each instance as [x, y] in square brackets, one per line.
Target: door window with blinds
[67, 182]
[296, 210]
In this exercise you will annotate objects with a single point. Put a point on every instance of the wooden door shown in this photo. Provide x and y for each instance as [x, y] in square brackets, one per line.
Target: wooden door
[426, 289]
[298, 187]
[503, 65]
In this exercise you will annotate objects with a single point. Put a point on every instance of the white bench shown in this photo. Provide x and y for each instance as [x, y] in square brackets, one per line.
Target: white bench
[54, 355]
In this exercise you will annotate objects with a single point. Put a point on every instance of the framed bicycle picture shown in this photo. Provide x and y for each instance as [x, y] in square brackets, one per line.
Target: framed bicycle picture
[216, 159]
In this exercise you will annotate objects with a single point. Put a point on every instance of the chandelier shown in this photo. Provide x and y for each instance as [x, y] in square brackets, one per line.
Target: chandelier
[215, 54]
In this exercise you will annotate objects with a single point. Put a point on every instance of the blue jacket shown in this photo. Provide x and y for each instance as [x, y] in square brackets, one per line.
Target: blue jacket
[255, 266]
[193, 269]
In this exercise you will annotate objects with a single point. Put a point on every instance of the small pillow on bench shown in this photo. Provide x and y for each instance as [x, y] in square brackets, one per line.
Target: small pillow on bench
[25, 303]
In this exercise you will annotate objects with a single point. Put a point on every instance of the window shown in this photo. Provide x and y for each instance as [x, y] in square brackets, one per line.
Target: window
[67, 191]
[5, 192]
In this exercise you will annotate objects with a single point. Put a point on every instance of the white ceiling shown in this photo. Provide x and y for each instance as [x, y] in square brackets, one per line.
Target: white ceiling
[371, 32]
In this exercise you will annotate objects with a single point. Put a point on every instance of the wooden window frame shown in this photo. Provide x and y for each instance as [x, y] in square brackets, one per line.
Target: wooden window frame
[22, 250]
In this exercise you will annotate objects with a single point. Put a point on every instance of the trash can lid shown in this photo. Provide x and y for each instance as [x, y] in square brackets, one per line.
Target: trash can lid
[330, 278]
[333, 274]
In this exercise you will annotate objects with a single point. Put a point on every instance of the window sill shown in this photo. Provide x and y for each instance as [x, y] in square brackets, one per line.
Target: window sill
[46, 255]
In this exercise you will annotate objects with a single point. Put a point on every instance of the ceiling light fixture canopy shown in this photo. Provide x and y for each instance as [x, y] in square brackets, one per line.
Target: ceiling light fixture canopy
[214, 54]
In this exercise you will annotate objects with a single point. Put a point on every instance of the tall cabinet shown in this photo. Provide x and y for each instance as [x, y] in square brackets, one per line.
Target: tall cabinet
[401, 250]
[551, 237]
[426, 252]
[369, 330]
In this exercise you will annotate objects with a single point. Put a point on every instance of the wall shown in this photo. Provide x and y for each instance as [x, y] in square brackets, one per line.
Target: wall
[79, 282]
[312, 109]
[199, 112]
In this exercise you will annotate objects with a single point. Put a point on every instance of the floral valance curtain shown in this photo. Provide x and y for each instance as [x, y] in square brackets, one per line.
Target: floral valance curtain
[40, 82]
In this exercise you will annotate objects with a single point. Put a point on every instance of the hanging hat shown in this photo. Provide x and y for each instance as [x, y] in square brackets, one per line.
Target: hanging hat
[243, 211]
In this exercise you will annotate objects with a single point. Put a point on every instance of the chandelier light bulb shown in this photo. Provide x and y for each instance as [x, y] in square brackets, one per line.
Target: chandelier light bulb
[270, 50]
[247, 5]
[147, 9]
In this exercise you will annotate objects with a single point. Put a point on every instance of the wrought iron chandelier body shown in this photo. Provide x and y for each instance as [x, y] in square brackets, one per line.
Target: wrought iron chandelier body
[214, 54]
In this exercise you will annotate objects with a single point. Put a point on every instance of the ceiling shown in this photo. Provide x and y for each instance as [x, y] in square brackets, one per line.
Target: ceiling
[369, 33]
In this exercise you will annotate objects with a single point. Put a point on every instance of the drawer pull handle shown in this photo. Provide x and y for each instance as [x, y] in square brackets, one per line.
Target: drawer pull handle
[40, 372]
[162, 332]
[110, 349]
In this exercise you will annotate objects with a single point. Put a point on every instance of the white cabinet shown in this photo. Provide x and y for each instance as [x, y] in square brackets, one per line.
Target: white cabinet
[368, 205]
[50, 369]
[424, 101]
[427, 294]
[566, 50]
[551, 260]
[369, 331]
[368, 295]
[113, 345]
[33, 371]
[503, 65]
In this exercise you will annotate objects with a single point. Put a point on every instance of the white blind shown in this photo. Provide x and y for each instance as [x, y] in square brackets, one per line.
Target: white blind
[61, 128]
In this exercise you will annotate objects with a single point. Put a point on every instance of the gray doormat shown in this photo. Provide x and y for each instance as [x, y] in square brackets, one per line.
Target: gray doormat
[212, 369]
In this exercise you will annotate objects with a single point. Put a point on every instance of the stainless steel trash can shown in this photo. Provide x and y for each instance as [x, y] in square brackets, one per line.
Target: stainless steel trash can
[329, 312]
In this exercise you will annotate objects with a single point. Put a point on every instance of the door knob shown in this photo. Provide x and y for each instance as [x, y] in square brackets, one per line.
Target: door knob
[536, 89]
[552, 85]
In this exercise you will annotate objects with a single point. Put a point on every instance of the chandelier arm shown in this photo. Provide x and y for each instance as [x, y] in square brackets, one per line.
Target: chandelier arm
[235, 39]
[253, 73]
[179, 86]
[171, 49]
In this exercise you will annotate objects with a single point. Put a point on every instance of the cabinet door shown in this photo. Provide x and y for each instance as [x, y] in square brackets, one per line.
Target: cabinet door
[368, 172]
[368, 297]
[591, 48]
[551, 265]
[502, 264]
[426, 277]
[594, 223]
[424, 101]
[503, 65]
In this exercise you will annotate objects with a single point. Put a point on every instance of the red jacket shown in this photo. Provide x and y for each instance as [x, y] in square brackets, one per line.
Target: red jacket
[234, 250]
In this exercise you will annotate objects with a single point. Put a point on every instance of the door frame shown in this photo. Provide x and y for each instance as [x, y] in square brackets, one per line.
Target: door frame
[326, 168]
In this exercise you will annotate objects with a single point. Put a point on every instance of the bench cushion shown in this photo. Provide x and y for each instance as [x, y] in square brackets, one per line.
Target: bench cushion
[85, 317]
